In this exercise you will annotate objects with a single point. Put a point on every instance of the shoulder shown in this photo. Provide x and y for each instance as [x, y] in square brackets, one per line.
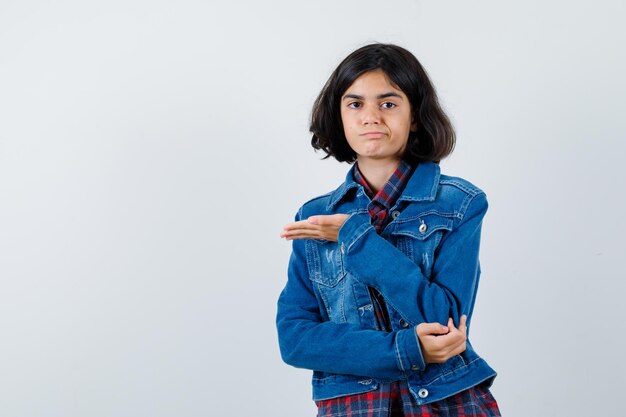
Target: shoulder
[462, 194]
[317, 205]
[327, 203]
[459, 184]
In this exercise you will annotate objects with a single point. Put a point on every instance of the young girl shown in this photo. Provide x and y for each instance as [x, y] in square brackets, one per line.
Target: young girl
[384, 270]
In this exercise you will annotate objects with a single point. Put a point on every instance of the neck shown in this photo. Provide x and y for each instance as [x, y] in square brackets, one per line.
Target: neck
[377, 172]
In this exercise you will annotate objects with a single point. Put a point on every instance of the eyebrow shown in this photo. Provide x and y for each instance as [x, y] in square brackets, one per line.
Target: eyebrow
[381, 96]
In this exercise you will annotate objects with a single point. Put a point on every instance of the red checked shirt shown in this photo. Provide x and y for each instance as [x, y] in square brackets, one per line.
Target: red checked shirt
[394, 399]
[379, 208]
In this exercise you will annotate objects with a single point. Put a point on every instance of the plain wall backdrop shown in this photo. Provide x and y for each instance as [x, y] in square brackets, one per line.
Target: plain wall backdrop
[151, 151]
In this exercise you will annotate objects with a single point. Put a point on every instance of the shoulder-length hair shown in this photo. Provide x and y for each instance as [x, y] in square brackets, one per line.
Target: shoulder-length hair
[434, 138]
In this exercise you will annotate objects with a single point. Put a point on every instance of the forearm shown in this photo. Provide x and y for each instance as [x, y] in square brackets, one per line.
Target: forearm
[309, 340]
[377, 263]
[344, 348]
[449, 292]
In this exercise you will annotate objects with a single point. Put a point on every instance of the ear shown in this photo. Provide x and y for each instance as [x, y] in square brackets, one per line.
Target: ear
[413, 125]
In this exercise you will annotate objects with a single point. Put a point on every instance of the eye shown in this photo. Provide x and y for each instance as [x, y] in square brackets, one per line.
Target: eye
[388, 105]
[354, 105]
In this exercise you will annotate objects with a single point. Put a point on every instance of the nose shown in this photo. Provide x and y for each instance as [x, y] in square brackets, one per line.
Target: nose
[370, 116]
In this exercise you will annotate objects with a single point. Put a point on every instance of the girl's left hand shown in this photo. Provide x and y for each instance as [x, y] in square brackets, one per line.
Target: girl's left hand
[316, 227]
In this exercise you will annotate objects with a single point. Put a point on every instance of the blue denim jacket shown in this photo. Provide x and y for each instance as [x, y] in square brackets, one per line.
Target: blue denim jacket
[424, 263]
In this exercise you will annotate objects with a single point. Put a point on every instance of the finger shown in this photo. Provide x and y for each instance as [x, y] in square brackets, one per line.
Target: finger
[457, 350]
[317, 230]
[295, 224]
[297, 236]
[296, 227]
[302, 224]
[287, 231]
[451, 351]
[301, 234]
[333, 220]
[318, 220]
[450, 340]
[460, 348]
[457, 346]
[309, 234]
[463, 324]
[424, 329]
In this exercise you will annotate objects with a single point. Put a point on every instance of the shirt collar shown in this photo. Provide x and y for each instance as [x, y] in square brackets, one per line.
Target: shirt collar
[422, 185]
[387, 196]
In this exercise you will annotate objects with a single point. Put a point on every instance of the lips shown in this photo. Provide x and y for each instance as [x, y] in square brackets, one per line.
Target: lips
[373, 135]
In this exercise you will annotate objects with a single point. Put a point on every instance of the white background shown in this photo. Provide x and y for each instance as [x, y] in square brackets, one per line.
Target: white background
[151, 151]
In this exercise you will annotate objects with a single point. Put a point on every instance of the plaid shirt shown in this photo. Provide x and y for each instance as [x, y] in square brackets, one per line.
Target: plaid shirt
[382, 202]
[378, 209]
[394, 399]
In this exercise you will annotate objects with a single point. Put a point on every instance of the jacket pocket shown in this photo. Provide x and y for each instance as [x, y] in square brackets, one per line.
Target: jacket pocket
[418, 236]
[324, 262]
[327, 274]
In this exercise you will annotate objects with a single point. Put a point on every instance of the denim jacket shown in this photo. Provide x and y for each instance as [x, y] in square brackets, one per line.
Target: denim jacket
[424, 263]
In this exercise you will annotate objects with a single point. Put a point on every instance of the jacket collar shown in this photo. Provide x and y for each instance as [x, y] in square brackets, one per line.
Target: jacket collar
[422, 185]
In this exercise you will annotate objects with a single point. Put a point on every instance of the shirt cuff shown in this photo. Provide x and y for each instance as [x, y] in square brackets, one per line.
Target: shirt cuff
[408, 351]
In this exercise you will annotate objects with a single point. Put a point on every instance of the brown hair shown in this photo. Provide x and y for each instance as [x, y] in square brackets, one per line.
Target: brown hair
[434, 138]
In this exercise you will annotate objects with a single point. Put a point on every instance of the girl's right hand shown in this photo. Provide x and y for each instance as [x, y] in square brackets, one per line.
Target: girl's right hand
[316, 227]
[440, 343]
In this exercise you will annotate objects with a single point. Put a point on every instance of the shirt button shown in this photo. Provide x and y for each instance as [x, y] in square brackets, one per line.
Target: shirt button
[423, 228]
[404, 323]
[395, 214]
[423, 393]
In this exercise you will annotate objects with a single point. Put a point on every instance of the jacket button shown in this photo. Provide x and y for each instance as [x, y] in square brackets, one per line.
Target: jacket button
[423, 393]
[404, 323]
[343, 248]
[423, 228]
[415, 368]
[395, 214]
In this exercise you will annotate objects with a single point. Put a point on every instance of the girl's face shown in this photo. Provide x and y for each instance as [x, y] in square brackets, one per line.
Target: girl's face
[376, 118]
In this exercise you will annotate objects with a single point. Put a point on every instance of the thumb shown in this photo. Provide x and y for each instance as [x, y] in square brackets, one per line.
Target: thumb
[323, 219]
[423, 329]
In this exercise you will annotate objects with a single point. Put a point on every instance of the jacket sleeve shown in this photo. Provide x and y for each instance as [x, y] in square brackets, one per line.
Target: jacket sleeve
[450, 291]
[308, 340]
